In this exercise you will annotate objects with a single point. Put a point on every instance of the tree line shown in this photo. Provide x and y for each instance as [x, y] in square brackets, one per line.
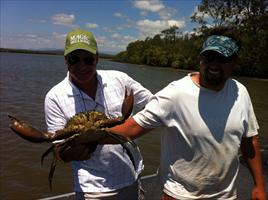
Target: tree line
[172, 48]
[47, 52]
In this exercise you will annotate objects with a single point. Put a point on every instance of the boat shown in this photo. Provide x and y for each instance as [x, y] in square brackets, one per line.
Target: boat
[153, 189]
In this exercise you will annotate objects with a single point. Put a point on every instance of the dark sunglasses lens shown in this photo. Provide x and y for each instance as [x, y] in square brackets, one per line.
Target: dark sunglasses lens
[216, 58]
[72, 60]
[222, 59]
[89, 60]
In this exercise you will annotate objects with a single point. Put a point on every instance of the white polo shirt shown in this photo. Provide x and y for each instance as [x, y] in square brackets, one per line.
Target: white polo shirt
[109, 167]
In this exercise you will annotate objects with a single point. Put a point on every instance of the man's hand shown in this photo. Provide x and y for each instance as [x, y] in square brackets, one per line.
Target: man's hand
[258, 193]
[251, 153]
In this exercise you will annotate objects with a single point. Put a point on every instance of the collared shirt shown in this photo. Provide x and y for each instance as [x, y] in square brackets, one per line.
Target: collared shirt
[109, 167]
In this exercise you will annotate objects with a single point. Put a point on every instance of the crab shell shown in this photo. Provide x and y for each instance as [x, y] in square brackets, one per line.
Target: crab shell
[79, 123]
[84, 130]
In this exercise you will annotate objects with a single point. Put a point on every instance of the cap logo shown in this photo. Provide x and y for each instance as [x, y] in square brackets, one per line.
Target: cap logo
[79, 38]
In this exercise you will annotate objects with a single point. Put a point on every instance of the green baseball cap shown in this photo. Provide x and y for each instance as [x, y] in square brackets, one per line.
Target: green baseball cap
[80, 39]
[221, 44]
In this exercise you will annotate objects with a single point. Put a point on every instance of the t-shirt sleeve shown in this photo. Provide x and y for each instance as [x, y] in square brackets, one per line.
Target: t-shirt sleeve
[158, 111]
[252, 122]
[252, 126]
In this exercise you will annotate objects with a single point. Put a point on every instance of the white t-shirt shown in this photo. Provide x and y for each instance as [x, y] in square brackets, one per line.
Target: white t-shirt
[109, 167]
[201, 136]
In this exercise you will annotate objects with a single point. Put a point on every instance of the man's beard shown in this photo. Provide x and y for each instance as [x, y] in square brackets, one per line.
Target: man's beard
[213, 80]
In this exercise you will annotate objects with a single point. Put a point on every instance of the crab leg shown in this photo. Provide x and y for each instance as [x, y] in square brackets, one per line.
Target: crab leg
[27, 132]
[126, 110]
[51, 172]
[129, 155]
[46, 153]
[122, 141]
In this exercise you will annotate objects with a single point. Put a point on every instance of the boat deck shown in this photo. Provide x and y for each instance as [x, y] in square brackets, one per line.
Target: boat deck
[151, 184]
[244, 185]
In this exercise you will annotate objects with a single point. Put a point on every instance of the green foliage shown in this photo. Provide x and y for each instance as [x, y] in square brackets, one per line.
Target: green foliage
[172, 49]
[168, 49]
[254, 59]
[250, 17]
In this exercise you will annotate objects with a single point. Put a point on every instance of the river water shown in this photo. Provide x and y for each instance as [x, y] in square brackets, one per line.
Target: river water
[24, 81]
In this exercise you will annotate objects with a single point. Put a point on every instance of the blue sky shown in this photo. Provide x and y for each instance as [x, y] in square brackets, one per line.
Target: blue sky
[43, 24]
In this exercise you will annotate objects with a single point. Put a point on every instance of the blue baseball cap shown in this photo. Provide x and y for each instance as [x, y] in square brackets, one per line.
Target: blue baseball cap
[221, 44]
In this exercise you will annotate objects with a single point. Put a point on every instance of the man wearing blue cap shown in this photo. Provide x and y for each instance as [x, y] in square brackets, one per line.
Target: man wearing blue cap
[108, 173]
[206, 118]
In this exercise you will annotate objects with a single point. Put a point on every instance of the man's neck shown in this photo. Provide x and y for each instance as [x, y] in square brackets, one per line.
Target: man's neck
[89, 88]
[196, 78]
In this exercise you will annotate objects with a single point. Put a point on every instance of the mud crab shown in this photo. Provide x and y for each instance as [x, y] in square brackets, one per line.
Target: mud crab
[85, 130]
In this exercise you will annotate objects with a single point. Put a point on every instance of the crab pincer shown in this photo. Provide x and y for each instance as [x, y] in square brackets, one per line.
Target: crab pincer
[82, 133]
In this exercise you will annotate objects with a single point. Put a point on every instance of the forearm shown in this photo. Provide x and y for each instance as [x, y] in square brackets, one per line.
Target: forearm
[130, 129]
[251, 153]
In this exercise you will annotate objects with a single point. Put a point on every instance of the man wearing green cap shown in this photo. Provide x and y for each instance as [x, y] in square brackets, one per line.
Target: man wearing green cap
[206, 118]
[109, 173]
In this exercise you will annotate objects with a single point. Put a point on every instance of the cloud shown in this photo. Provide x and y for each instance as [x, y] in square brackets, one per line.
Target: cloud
[178, 23]
[148, 5]
[108, 29]
[126, 38]
[63, 19]
[115, 42]
[167, 13]
[166, 17]
[122, 16]
[150, 27]
[115, 35]
[32, 41]
[119, 15]
[91, 25]
[155, 6]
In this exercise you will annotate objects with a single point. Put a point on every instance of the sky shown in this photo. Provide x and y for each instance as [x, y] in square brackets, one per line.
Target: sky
[43, 24]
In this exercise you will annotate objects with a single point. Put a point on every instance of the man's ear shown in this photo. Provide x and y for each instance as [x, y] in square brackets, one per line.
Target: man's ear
[237, 62]
[65, 60]
[97, 57]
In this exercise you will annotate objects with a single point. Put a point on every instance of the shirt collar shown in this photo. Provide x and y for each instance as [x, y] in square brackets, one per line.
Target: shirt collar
[73, 90]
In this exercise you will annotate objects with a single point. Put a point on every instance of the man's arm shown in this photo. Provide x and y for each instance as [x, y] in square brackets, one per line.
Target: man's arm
[251, 153]
[130, 129]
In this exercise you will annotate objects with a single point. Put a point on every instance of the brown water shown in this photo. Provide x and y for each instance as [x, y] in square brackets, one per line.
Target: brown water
[24, 81]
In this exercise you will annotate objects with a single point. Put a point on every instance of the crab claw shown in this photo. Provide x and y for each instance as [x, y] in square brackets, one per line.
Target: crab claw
[126, 110]
[127, 104]
[27, 132]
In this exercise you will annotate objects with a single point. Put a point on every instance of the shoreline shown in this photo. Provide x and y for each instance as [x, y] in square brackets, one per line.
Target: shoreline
[110, 58]
[185, 70]
[46, 52]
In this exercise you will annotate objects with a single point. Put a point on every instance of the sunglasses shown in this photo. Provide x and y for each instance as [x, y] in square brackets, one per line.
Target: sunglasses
[73, 60]
[215, 57]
